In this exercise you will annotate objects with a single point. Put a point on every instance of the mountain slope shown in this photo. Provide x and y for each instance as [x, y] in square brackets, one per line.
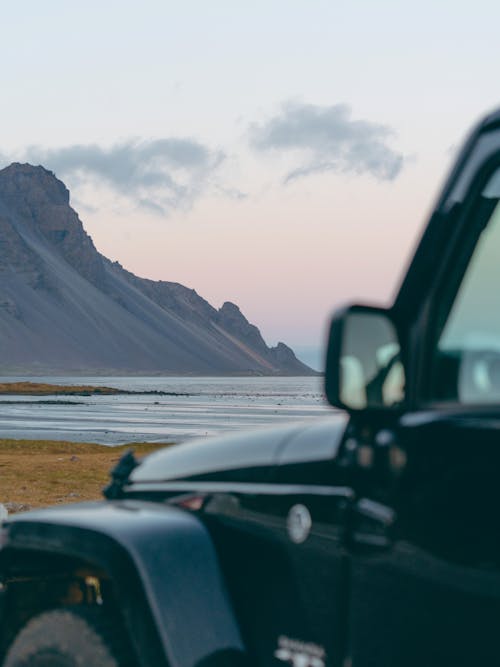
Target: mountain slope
[64, 307]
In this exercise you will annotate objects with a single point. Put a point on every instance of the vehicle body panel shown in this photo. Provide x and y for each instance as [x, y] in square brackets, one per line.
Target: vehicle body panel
[163, 566]
[279, 588]
[249, 457]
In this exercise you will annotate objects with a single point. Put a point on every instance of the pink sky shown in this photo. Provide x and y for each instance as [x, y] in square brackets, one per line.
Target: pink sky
[292, 149]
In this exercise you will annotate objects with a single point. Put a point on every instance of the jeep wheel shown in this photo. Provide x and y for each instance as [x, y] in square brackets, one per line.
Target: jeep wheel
[76, 637]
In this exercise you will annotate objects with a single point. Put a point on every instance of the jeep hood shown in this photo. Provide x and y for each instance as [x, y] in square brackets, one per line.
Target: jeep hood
[243, 457]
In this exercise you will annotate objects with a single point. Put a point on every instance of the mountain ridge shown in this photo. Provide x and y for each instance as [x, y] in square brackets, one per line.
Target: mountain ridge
[65, 307]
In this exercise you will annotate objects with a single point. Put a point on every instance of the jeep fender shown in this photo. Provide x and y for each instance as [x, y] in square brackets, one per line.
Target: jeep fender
[163, 568]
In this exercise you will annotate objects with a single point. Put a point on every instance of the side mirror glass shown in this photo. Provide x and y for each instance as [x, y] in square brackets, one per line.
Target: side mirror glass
[364, 368]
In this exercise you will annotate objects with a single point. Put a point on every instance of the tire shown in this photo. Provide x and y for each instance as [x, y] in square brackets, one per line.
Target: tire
[72, 637]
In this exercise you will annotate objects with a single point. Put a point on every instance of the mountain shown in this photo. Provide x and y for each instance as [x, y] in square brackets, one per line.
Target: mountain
[65, 308]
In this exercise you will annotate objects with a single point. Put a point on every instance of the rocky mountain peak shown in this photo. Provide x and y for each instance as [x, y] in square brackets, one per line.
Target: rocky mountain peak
[64, 307]
[40, 203]
[283, 354]
[31, 184]
[232, 320]
[229, 309]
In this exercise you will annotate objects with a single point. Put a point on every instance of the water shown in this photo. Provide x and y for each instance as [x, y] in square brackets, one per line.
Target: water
[205, 407]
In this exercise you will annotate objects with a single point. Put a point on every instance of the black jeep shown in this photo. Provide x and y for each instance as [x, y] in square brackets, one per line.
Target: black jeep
[371, 539]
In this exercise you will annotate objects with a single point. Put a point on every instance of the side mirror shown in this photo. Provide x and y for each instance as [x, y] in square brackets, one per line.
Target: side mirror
[364, 369]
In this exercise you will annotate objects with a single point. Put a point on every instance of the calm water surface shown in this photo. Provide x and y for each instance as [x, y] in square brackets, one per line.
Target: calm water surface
[204, 407]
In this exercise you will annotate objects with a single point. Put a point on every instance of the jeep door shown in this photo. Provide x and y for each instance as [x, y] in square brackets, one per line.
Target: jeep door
[281, 546]
[425, 530]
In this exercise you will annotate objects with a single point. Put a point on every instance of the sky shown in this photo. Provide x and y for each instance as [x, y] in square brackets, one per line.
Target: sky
[280, 154]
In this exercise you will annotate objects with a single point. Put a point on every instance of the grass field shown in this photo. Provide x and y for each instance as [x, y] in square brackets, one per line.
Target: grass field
[38, 473]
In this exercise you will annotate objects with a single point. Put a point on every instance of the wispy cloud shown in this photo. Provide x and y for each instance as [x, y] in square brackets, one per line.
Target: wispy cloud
[231, 193]
[158, 175]
[326, 138]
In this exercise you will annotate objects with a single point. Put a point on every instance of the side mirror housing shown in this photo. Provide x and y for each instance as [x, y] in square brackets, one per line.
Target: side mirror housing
[364, 368]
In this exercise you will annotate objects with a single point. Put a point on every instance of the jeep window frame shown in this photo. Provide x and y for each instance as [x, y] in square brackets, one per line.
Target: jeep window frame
[450, 273]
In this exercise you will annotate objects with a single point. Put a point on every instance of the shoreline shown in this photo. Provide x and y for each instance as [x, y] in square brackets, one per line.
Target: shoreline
[46, 389]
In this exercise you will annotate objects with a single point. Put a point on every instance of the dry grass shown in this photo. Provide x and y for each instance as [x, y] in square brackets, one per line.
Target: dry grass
[38, 473]
[41, 389]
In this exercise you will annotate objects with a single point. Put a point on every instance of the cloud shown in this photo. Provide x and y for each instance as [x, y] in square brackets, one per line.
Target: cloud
[83, 206]
[326, 139]
[158, 175]
[231, 193]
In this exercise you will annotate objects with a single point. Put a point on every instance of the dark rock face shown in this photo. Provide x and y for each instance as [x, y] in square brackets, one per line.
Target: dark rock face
[232, 320]
[41, 201]
[66, 308]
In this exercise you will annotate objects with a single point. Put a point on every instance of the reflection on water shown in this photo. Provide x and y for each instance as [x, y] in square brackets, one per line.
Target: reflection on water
[205, 406]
